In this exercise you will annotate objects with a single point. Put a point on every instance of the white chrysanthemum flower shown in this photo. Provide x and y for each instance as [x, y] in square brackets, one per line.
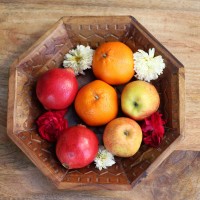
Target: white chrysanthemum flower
[104, 159]
[148, 67]
[79, 59]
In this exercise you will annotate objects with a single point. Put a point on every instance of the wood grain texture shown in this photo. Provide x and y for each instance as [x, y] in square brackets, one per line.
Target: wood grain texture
[176, 25]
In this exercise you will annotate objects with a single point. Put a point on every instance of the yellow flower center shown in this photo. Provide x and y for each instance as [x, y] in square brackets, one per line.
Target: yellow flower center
[78, 59]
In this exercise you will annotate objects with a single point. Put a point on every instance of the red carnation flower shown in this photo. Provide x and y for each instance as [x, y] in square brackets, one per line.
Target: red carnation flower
[153, 130]
[51, 124]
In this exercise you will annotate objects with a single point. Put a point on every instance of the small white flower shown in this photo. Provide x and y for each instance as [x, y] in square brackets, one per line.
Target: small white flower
[148, 67]
[104, 159]
[79, 59]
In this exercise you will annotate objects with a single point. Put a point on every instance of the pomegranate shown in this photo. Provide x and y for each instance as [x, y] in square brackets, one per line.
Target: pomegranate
[77, 147]
[57, 88]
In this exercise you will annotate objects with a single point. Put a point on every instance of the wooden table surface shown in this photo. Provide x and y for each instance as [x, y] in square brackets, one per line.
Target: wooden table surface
[176, 24]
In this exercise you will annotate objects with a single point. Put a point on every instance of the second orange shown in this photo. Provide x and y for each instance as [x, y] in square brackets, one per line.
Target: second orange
[96, 103]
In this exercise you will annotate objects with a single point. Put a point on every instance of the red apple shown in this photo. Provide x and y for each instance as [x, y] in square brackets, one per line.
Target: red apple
[139, 100]
[77, 147]
[57, 88]
[122, 137]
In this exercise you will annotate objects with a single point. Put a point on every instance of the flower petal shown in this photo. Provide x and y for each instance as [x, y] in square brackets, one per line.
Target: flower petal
[151, 52]
[146, 66]
[79, 59]
[104, 159]
[51, 124]
[153, 130]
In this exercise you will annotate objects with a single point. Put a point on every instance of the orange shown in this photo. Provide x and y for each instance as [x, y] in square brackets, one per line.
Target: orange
[96, 103]
[113, 63]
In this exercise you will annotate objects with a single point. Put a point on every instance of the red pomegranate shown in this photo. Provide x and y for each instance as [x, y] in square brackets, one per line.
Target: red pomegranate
[57, 88]
[77, 147]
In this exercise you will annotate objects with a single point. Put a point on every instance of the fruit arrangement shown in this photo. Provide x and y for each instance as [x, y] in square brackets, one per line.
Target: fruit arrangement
[98, 103]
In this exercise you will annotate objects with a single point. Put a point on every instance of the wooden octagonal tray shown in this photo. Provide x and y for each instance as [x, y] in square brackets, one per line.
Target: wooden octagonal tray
[48, 52]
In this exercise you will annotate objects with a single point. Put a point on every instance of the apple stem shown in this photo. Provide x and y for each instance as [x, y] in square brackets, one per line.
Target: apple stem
[126, 133]
[135, 104]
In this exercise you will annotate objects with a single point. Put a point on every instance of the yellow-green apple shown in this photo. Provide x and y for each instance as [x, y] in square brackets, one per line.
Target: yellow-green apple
[122, 137]
[139, 100]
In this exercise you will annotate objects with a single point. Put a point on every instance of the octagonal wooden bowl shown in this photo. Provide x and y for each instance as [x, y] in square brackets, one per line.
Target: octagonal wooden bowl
[48, 52]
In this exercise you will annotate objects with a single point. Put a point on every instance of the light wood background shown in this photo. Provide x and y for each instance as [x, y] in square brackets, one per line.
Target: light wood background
[176, 24]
